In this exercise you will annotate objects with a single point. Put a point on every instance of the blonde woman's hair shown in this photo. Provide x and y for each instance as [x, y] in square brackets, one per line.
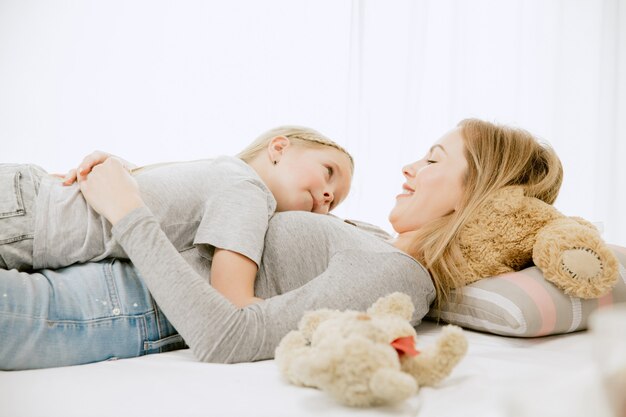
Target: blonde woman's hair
[497, 156]
[297, 135]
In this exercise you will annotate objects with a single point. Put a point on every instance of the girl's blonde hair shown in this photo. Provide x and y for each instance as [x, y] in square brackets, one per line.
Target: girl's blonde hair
[497, 156]
[297, 135]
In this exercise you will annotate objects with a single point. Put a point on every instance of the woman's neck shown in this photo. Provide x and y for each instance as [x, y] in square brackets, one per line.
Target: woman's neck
[404, 241]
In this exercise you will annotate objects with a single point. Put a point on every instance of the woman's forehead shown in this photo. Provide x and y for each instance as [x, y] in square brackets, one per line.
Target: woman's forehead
[450, 142]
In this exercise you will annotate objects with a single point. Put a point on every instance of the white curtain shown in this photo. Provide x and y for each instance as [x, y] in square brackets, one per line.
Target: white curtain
[171, 80]
[556, 68]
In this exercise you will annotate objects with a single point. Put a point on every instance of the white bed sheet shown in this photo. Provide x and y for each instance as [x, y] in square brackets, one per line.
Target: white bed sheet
[551, 376]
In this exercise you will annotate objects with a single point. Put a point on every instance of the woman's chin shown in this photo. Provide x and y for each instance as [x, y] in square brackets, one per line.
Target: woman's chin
[395, 224]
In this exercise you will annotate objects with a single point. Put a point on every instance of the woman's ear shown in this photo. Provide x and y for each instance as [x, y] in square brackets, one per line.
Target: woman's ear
[277, 147]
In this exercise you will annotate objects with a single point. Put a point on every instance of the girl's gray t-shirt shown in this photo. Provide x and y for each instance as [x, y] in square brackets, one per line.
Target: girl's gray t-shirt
[219, 202]
[310, 261]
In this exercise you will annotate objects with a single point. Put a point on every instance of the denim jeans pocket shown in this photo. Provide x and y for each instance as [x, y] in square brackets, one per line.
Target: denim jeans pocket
[166, 344]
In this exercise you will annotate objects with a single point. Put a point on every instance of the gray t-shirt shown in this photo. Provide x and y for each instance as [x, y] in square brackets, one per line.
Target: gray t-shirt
[219, 202]
[310, 261]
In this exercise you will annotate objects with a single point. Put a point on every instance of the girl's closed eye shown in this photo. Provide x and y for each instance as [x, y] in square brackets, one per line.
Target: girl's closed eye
[430, 161]
[330, 171]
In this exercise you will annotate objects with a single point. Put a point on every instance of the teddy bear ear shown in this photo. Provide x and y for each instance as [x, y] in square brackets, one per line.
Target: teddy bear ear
[311, 319]
[397, 303]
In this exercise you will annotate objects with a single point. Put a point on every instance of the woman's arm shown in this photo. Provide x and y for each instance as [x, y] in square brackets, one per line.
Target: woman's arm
[111, 190]
[217, 331]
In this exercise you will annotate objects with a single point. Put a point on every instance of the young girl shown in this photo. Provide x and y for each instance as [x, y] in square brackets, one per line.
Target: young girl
[222, 205]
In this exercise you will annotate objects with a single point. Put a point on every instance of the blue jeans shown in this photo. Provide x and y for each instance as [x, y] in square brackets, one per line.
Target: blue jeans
[79, 314]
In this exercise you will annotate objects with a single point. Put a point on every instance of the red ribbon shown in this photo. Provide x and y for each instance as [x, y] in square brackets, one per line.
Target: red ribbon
[405, 346]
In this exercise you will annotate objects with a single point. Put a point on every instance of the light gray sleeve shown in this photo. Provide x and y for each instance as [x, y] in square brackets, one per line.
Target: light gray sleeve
[236, 220]
[217, 331]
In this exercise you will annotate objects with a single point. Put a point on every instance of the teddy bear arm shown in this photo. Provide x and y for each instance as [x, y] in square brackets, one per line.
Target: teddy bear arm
[436, 362]
[288, 356]
[499, 238]
[572, 255]
[299, 362]
[391, 386]
[312, 319]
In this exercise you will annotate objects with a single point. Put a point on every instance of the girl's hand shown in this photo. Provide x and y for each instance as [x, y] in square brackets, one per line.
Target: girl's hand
[90, 161]
[111, 190]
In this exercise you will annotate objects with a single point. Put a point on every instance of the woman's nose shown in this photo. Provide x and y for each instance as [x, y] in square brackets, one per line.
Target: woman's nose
[409, 170]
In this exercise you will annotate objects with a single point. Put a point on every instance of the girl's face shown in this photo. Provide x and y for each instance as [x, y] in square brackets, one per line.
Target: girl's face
[311, 179]
[434, 185]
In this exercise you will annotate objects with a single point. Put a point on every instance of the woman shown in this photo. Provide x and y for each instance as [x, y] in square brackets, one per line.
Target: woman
[460, 171]
[310, 261]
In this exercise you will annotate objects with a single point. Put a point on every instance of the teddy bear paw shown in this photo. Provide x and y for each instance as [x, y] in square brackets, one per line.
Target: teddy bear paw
[572, 256]
[582, 272]
[581, 263]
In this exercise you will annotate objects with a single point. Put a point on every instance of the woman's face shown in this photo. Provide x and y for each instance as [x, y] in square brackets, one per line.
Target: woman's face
[434, 185]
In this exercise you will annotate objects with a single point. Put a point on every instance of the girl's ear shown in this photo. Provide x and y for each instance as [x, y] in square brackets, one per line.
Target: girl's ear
[277, 147]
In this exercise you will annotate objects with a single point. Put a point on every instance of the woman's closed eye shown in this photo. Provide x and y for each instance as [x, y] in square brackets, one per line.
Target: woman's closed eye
[431, 161]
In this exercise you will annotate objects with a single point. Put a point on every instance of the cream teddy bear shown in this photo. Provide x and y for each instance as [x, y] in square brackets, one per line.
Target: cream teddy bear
[364, 359]
[510, 231]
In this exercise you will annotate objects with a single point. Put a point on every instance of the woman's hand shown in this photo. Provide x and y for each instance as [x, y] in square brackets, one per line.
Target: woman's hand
[90, 161]
[111, 190]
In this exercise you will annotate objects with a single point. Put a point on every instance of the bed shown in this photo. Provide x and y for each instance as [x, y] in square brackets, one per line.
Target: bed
[500, 376]
[561, 373]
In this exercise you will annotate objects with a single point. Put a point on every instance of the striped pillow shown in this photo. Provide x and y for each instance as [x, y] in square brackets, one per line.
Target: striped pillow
[523, 304]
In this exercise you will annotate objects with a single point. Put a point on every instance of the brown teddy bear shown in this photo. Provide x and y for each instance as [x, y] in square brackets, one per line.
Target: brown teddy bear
[364, 359]
[510, 231]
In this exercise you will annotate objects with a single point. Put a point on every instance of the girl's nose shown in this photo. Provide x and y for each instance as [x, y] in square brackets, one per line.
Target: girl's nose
[323, 206]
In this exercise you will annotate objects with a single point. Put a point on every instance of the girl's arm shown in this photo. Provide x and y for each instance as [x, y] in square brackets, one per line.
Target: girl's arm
[233, 275]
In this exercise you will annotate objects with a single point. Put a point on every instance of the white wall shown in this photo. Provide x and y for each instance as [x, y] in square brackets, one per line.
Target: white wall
[161, 80]
[173, 80]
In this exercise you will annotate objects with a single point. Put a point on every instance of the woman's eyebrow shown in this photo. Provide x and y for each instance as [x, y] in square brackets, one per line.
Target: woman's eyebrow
[432, 148]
